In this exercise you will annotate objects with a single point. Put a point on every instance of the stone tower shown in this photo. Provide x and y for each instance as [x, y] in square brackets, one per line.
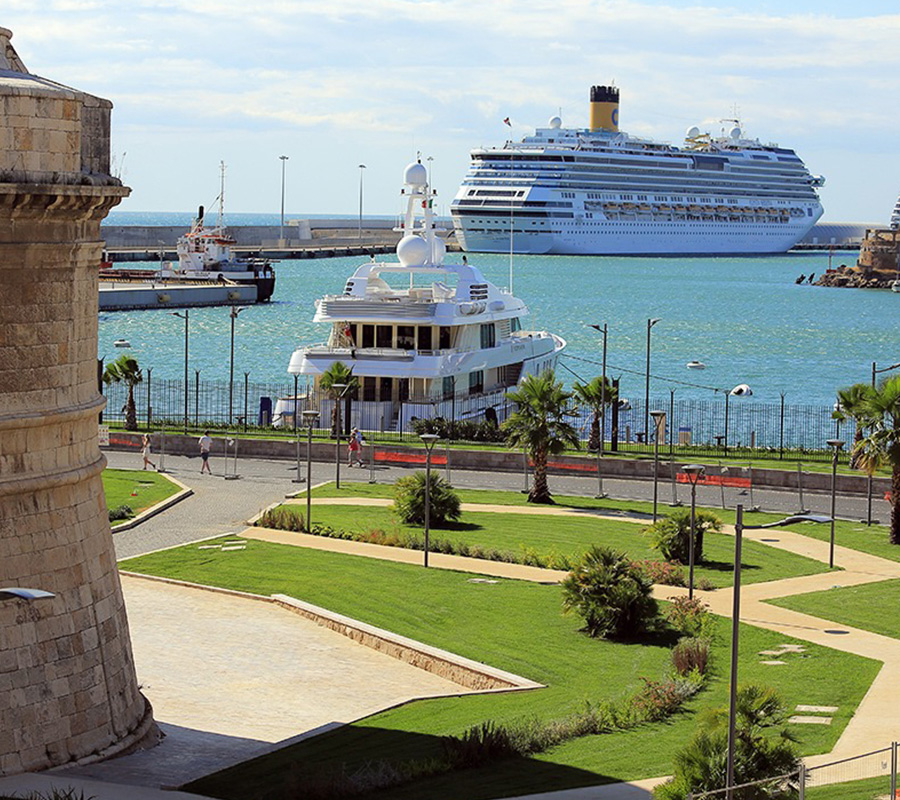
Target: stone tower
[68, 689]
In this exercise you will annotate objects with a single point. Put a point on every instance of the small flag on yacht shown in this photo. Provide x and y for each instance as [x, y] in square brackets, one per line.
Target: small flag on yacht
[508, 122]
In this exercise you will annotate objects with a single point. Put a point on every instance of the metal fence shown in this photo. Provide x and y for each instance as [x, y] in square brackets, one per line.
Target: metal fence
[726, 426]
[878, 767]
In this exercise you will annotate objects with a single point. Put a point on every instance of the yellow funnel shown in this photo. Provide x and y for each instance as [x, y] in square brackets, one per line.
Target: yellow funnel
[604, 108]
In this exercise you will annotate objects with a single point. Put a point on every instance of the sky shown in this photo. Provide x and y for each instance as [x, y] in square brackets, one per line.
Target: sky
[335, 84]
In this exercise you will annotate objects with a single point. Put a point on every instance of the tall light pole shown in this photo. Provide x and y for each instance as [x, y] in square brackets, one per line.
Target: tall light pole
[429, 440]
[605, 332]
[650, 324]
[837, 444]
[342, 387]
[234, 315]
[694, 472]
[186, 318]
[311, 418]
[359, 230]
[658, 417]
[739, 529]
[283, 161]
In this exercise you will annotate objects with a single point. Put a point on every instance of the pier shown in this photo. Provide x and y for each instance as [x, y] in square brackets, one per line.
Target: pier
[322, 238]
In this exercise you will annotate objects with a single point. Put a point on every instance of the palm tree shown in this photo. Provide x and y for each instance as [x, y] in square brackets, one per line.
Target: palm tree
[591, 394]
[851, 406]
[877, 410]
[125, 370]
[339, 374]
[539, 425]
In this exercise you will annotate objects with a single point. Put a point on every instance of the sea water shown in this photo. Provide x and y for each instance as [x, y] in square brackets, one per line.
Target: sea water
[745, 318]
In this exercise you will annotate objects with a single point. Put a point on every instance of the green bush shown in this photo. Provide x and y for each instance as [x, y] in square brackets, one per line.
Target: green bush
[282, 518]
[468, 430]
[690, 617]
[610, 593]
[671, 535]
[763, 749]
[120, 512]
[409, 499]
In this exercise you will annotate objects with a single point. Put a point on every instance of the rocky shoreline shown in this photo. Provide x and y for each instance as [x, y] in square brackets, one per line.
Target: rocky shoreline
[855, 278]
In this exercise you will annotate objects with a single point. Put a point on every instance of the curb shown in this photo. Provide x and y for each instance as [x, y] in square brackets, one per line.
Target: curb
[161, 506]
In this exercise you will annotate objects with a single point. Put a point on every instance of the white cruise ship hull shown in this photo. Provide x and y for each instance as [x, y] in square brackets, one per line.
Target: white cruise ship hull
[653, 238]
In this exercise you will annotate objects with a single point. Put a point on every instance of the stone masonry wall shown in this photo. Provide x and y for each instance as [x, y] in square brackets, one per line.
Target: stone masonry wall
[68, 689]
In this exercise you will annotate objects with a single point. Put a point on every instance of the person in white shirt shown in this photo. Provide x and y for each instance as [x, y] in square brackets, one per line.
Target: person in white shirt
[205, 443]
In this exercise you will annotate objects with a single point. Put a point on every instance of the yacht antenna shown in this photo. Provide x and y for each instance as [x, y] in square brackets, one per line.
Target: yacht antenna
[220, 222]
[511, 198]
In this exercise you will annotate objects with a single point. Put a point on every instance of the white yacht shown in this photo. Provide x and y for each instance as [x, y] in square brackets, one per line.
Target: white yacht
[424, 338]
[600, 191]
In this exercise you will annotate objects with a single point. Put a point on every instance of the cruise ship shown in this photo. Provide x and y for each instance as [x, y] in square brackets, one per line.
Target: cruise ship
[600, 191]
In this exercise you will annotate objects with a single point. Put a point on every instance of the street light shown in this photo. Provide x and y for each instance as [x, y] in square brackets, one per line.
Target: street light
[361, 168]
[603, 330]
[837, 444]
[311, 418]
[694, 472]
[650, 324]
[337, 445]
[21, 593]
[658, 417]
[281, 236]
[739, 529]
[429, 440]
[186, 318]
[234, 315]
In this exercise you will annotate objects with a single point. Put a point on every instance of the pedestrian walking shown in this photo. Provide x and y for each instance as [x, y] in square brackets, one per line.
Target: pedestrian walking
[205, 443]
[355, 448]
[145, 451]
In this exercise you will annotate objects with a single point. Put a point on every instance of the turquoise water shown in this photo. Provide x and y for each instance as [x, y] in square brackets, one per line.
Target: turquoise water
[745, 318]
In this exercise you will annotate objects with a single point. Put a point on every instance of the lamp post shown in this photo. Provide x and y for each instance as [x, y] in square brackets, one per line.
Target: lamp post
[650, 324]
[196, 396]
[311, 418]
[359, 230]
[658, 417]
[281, 236]
[186, 318]
[21, 593]
[337, 445]
[428, 440]
[694, 473]
[739, 529]
[234, 315]
[604, 331]
[837, 444]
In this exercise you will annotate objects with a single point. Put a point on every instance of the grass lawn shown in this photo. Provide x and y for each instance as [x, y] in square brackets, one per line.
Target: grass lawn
[137, 488]
[857, 536]
[865, 789]
[513, 625]
[571, 536]
[869, 607]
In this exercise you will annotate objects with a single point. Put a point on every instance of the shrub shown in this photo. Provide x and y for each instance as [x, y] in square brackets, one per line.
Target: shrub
[661, 572]
[462, 430]
[763, 749]
[282, 518]
[689, 616]
[409, 499]
[704, 584]
[672, 534]
[480, 743]
[689, 655]
[657, 700]
[611, 595]
[120, 512]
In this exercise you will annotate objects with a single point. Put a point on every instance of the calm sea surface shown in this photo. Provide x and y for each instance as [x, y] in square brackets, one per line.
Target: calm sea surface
[745, 318]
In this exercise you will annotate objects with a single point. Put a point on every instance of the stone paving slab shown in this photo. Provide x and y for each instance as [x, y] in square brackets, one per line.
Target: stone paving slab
[806, 720]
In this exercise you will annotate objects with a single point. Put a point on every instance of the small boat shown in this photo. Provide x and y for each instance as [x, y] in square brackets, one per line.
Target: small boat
[895, 286]
[695, 365]
[121, 343]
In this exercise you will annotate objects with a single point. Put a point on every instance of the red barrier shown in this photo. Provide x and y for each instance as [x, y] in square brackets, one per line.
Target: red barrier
[716, 480]
[408, 458]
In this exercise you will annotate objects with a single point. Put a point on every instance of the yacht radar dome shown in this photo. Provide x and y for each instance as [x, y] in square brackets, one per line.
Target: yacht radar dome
[412, 251]
[735, 133]
[693, 132]
[415, 175]
[555, 123]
